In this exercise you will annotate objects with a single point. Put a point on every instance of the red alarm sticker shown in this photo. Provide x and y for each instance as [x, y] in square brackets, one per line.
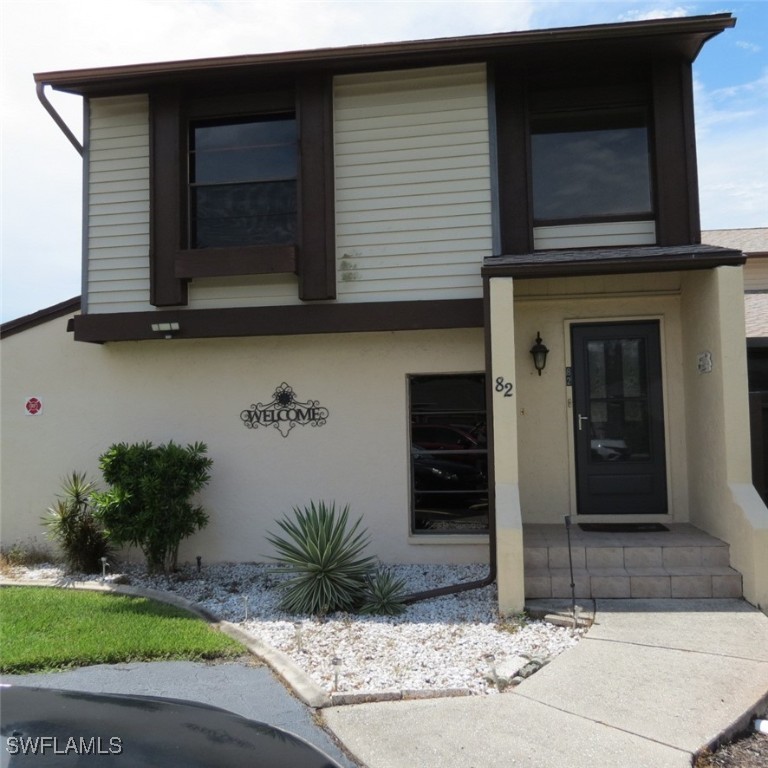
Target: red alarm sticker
[33, 406]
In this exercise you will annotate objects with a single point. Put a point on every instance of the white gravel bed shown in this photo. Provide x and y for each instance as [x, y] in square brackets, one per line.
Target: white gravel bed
[437, 644]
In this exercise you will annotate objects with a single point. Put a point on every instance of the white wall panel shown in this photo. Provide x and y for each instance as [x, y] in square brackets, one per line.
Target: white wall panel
[413, 195]
[118, 205]
[602, 235]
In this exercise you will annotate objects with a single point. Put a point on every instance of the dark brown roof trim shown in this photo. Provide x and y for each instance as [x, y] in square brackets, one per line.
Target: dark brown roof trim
[611, 261]
[285, 320]
[681, 37]
[38, 318]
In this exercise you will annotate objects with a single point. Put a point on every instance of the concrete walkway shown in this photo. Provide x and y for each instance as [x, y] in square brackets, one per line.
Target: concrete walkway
[652, 683]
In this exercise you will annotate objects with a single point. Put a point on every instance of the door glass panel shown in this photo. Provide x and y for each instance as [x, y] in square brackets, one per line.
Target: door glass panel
[618, 400]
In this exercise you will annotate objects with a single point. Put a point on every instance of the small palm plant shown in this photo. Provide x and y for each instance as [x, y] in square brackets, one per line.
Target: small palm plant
[384, 594]
[71, 524]
[330, 570]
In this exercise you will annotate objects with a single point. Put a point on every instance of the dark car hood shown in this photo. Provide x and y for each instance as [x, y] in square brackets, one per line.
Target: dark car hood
[70, 728]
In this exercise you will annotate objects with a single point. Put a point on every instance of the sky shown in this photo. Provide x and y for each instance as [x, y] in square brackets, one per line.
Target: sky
[40, 172]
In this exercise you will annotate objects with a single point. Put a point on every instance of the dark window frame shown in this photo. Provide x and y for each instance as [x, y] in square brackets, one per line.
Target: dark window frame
[311, 257]
[663, 87]
[445, 456]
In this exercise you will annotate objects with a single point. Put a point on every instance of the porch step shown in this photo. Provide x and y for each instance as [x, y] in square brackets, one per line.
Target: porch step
[683, 562]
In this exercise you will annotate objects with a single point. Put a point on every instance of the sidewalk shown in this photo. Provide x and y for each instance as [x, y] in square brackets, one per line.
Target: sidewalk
[652, 683]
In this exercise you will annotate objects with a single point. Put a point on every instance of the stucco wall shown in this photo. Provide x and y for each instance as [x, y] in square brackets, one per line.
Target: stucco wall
[723, 500]
[195, 390]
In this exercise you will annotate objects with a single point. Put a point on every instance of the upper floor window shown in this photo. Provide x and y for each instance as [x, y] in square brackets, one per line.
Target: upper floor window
[243, 182]
[590, 166]
[609, 143]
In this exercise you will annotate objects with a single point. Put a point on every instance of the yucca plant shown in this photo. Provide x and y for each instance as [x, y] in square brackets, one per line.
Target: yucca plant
[72, 525]
[384, 593]
[326, 559]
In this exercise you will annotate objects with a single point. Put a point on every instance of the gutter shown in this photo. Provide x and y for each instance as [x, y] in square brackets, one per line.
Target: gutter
[58, 119]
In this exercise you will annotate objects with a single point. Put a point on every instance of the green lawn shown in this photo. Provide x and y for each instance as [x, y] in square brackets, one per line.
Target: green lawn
[47, 628]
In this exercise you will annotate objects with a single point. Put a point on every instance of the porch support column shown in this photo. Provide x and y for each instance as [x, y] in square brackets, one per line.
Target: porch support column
[723, 500]
[509, 522]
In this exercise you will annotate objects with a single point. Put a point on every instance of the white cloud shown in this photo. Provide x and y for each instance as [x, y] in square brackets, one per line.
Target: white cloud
[657, 13]
[751, 47]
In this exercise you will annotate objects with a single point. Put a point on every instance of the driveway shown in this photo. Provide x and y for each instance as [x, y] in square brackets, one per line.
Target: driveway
[246, 688]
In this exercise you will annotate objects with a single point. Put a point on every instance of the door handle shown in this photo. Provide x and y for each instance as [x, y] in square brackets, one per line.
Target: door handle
[582, 418]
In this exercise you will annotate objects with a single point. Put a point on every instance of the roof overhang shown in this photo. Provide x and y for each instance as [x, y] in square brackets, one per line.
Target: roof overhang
[611, 261]
[680, 38]
[12, 327]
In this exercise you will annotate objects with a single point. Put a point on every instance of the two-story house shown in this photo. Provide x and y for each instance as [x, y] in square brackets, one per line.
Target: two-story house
[457, 284]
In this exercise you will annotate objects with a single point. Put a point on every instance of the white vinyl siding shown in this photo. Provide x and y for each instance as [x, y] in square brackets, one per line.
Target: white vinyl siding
[599, 235]
[118, 205]
[413, 192]
[243, 291]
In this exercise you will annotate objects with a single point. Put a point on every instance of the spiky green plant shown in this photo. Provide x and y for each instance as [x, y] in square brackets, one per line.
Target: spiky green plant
[384, 593]
[72, 525]
[326, 559]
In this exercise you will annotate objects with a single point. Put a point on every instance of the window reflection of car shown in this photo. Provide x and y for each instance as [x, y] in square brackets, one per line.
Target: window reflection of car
[607, 449]
[443, 482]
[439, 437]
[50, 727]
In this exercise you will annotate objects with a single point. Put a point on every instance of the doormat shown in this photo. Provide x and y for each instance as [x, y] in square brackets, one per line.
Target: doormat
[623, 527]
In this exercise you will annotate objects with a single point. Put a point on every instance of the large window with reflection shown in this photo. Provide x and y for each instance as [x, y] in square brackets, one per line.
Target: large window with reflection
[593, 165]
[449, 454]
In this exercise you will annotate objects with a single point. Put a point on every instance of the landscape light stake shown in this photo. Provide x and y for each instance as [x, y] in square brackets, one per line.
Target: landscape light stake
[570, 563]
[297, 627]
[336, 664]
[245, 601]
[491, 659]
[104, 567]
[199, 563]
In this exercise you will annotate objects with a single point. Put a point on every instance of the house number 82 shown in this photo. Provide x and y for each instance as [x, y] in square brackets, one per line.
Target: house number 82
[502, 385]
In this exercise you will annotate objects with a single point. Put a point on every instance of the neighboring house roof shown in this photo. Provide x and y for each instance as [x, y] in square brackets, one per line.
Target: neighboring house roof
[20, 324]
[753, 242]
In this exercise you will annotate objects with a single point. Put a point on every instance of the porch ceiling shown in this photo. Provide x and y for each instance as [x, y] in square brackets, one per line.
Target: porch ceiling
[611, 261]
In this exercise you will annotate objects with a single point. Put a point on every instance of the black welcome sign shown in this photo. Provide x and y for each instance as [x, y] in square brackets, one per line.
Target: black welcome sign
[284, 412]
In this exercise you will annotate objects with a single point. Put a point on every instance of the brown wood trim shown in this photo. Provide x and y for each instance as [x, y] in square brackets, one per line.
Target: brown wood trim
[284, 320]
[317, 261]
[683, 37]
[166, 147]
[223, 262]
[173, 263]
[514, 193]
[677, 217]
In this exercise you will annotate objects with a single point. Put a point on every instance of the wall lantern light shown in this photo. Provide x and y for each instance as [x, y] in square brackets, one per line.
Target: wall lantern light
[166, 328]
[539, 353]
